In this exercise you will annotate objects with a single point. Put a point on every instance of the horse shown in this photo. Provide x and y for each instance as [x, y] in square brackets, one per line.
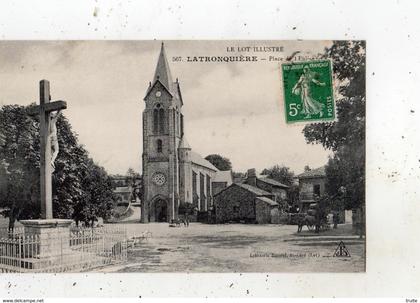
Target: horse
[308, 220]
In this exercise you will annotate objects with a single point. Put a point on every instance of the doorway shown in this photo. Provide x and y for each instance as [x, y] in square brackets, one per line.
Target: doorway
[161, 211]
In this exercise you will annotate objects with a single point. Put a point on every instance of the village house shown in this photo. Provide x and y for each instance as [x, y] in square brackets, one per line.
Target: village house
[255, 200]
[222, 180]
[311, 186]
[265, 183]
[244, 203]
[124, 192]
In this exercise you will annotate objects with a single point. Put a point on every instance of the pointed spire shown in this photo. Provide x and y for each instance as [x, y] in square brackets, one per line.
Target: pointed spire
[163, 73]
[184, 143]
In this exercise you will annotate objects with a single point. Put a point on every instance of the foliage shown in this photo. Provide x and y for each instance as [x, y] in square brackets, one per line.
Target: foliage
[81, 189]
[19, 164]
[346, 136]
[283, 174]
[135, 181]
[220, 162]
[97, 198]
[238, 176]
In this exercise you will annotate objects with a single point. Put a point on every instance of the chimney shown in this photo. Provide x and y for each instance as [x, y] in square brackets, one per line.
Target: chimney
[251, 177]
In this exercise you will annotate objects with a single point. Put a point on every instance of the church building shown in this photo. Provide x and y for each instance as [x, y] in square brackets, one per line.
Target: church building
[172, 172]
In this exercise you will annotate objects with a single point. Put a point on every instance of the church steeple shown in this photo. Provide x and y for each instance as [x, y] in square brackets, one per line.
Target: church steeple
[163, 73]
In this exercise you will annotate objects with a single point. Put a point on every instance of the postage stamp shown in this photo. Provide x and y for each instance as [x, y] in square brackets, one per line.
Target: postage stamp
[308, 91]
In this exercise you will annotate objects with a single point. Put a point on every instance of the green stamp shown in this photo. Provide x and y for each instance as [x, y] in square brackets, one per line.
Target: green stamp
[308, 92]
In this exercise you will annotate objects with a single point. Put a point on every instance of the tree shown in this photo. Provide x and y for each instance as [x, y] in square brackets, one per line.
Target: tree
[283, 174]
[306, 168]
[238, 176]
[72, 179]
[346, 136]
[19, 164]
[135, 181]
[221, 163]
[97, 199]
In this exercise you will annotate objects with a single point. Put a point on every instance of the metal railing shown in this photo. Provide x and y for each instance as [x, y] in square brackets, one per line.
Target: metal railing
[81, 250]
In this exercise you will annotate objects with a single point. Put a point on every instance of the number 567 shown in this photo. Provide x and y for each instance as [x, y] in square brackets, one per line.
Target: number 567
[294, 109]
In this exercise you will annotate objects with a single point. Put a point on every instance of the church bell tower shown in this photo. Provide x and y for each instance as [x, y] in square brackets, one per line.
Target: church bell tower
[162, 133]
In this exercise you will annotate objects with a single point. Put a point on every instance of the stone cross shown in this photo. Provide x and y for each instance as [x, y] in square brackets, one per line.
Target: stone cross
[44, 110]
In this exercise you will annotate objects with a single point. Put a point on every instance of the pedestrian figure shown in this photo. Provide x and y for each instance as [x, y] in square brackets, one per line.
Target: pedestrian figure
[335, 219]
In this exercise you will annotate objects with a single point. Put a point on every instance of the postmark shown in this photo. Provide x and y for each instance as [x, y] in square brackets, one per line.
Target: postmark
[308, 91]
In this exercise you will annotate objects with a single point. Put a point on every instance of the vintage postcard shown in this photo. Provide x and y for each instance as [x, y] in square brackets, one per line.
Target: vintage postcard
[182, 156]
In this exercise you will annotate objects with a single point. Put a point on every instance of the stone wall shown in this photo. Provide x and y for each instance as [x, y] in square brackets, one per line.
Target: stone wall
[306, 186]
[218, 187]
[262, 211]
[235, 204]
[280, 193]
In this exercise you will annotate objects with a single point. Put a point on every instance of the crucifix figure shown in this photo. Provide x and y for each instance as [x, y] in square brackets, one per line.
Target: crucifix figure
[48, 137]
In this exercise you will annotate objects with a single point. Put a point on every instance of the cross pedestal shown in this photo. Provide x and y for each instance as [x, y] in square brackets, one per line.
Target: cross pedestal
[52, 236]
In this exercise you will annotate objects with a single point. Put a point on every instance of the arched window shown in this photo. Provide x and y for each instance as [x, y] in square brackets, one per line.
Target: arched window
[161, 121]
[178, 128]
[182, 125]
[158, 120]
[159, 145]
[155, 120]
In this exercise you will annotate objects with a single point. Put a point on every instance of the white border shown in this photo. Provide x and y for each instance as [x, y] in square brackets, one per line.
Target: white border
[391, 29]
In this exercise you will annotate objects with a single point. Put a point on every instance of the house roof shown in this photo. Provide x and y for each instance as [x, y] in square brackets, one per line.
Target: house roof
[197, 159]
[272, 182]
[223, 176]
[313, 173]
[268, 201]
[253, 189]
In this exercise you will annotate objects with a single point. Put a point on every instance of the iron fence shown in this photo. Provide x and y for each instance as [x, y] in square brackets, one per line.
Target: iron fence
[82, 249]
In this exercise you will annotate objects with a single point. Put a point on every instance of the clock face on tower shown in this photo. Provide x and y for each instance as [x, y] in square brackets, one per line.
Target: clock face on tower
[159, 179]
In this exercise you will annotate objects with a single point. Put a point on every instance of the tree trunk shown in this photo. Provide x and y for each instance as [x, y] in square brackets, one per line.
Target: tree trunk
[12, 220]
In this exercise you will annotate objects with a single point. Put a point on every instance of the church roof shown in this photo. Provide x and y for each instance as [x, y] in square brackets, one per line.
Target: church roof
[184, 143]
[197, 159]
[162, 72]
[313, 173]
[164, 77]
[223, 176]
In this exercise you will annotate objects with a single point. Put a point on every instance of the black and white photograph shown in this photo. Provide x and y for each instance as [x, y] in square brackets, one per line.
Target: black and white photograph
[177, 156]
[212, 150]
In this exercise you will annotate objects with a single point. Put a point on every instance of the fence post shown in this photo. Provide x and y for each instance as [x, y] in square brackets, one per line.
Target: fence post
[20, 251]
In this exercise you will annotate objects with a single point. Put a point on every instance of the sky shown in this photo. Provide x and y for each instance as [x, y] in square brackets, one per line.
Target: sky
[233, 109]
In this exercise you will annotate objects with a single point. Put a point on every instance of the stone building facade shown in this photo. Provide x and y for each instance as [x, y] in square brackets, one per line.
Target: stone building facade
[244, 203]
[222, 180]
[278, 189]
[172, 172]
[311, 186]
